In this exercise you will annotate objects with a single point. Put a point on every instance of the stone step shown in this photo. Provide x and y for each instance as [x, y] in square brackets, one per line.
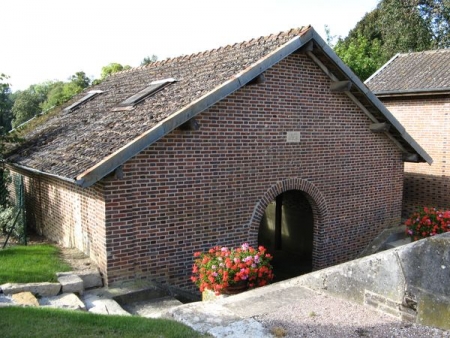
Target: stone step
[37, 289]
[71, 283]
[91, 278]
[152, 308]
[25, 298]
[69, 301]
[100, 305]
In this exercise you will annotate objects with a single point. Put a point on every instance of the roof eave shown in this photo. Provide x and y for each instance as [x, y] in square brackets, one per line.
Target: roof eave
[413, 92]
[110, 163]
[39, 172]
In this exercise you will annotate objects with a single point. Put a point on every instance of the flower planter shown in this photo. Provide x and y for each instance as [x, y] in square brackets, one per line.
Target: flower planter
[426, 222]
[239, 287]
[208, 295]
[242, 267]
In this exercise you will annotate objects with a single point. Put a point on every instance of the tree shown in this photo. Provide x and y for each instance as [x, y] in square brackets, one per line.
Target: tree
[108, 70]
[402, 27]
[5, 105]
[26, 105]
[5, 110]
[112, 68]
[436, 13]
[149, 59]
[395, 26]
[80, 80]
[364, 57]
[60, 92]
[55, 96]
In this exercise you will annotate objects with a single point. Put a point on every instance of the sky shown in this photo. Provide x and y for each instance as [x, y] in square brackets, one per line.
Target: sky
[49, 40]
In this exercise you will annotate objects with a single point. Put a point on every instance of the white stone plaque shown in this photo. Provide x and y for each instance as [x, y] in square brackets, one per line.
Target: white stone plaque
[293, 137]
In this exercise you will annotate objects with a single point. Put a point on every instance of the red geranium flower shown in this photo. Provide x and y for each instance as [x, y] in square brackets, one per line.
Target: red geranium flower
[221, 267]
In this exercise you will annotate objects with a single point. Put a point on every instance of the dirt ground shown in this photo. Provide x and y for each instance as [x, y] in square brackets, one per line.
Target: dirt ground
[74, 257]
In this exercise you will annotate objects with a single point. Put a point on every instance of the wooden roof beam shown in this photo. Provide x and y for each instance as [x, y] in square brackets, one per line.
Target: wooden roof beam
[307, 47]
[407, 157]
[191, 124]
[257, 80]
[340, 86]
[379, 127]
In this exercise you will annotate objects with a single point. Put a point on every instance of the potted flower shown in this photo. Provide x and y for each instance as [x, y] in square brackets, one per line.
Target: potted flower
[220, 268]
[427, 222]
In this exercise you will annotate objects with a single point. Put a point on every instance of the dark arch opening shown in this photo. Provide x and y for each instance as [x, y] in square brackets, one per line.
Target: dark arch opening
[286, 230]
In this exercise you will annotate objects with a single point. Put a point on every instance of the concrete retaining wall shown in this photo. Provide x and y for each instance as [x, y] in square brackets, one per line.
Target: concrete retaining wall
[411, 282]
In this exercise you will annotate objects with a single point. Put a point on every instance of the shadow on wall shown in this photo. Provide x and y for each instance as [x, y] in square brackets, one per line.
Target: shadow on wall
[54, 210]
[45, 214]
[421, 190]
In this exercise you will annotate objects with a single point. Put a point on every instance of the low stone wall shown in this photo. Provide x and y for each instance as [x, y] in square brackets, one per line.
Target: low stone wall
[411, 282]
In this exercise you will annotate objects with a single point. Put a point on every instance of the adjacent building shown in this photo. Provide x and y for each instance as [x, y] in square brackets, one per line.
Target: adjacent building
[415, 87]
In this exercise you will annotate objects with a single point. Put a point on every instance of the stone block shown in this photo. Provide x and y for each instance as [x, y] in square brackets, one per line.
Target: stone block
[426, 265]
[68, 301]
[25, 298]
[71, 284]
[91, 278]
[434, 310]
[153, 308]
[37, 289]
[105, 306]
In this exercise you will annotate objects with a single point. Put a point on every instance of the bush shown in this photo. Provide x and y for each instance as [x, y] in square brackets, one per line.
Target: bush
[427, 222]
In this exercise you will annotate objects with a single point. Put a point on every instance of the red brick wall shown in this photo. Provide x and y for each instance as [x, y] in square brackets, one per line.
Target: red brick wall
[427, 120]
[195, 189]
[66, 214]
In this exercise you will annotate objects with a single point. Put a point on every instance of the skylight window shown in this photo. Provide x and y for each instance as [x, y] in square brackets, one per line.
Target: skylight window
[152, 88]
[89, 96]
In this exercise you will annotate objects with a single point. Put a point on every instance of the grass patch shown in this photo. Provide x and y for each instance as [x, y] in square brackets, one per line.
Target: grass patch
[29, 264]
[38, 322]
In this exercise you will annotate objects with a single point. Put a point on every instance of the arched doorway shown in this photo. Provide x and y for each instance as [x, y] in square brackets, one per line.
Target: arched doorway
[287, 231]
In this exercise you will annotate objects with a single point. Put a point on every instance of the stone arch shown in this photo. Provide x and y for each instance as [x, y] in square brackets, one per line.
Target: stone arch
[319, 209]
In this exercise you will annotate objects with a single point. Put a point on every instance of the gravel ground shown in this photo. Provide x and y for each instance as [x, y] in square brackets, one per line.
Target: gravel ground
[325, 316]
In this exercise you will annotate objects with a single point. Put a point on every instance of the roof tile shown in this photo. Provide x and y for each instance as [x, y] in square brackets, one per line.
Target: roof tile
[420, 71]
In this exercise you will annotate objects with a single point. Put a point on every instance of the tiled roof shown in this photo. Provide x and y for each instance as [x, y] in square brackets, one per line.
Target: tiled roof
[413, 72]
[68, 144]
[86, 143]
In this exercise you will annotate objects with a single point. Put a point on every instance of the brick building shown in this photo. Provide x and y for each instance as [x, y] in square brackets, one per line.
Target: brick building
[415, 87]
[272, 140]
